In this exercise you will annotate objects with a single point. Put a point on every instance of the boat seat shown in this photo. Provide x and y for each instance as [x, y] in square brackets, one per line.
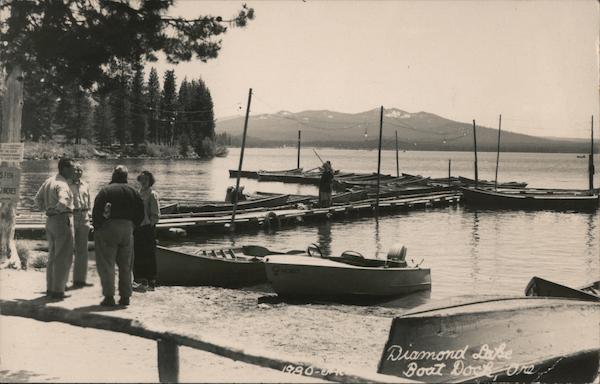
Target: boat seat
[397, 255]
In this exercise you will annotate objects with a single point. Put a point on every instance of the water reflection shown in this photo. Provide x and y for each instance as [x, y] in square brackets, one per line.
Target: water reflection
[475, 237]
[324, 238]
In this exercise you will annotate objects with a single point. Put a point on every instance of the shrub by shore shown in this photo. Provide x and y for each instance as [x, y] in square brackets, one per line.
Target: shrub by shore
[51, 150]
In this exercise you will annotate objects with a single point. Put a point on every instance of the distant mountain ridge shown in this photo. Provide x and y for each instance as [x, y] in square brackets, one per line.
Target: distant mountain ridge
[416, 131]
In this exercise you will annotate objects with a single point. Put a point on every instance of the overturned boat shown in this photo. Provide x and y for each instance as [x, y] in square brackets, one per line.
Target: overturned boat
[518, 339]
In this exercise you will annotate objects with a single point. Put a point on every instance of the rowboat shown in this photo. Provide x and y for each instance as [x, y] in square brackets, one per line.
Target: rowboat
[518, 339]
[546, 288]
[230, 267]
[535, 199]
[349, 275]
[260, 202]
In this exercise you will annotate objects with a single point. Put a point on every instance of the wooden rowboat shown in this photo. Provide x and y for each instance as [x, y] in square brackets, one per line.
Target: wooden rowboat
[524, 199]
[522, 339]
[230, 267]
[347, 276]
[272, 201]
[546, 288]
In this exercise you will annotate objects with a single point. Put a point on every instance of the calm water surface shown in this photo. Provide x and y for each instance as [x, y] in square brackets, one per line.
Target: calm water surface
[468, 251]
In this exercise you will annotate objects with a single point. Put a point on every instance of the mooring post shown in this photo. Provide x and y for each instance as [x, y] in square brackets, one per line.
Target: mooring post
[475, 149]
[397, 161]
[498, 152]
[168, 361]
[449, 169]
[299, 141]
[591, 169]
[379, 160]
[237, 181]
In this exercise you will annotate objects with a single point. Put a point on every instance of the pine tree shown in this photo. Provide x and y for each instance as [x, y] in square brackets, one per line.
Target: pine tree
[168, 107]
[39, 107]
[153, 105]
[120, 101]
[203, 126]
[138, 109]
[103, 122]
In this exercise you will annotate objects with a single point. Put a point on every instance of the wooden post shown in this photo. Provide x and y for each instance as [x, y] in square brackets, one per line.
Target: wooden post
[591, 169]
[299, 141]
[397, 162]
[237, 181]
[475, 149]
[12, 107]
[168, 361]
[498, 152]
[449, 168]
[379, 160]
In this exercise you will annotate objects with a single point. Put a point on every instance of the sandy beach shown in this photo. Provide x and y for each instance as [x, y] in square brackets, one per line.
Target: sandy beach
[344, 338]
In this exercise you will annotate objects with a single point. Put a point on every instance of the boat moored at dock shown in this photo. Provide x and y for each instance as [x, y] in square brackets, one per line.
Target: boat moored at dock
[531, 199]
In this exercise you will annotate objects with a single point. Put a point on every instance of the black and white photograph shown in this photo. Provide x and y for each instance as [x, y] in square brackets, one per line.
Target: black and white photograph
[299, 191]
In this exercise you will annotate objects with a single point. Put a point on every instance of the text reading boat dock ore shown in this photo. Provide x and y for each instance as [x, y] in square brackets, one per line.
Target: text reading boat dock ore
[464, 362]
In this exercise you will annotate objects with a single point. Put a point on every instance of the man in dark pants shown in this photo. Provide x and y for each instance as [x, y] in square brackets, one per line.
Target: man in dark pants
[118, 208]
[326, 185]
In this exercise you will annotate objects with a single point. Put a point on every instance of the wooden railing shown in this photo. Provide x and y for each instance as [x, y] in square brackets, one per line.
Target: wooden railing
[168, 343]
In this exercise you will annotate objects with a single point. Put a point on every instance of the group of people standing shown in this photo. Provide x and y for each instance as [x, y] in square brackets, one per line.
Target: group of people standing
[123, 219]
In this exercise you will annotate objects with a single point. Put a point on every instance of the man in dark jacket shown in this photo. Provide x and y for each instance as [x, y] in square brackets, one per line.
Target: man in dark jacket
[326, 185]
[118, 208]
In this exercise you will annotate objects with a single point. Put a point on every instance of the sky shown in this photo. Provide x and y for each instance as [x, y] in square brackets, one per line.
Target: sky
[534, 62]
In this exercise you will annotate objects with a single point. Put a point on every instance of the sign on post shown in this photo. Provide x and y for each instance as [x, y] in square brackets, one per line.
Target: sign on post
[9, 184]
[11, 152]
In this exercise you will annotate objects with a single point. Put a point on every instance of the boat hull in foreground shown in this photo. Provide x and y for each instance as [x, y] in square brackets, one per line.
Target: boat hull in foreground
[308, 277]
[524, 339]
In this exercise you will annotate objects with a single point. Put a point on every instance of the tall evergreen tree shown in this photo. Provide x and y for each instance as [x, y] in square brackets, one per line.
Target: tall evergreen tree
[203, 126]
[168, 107]
[103, 122]
[120, 101]
[138, 107]
[39, 107]
[73, 114]
[153, 105]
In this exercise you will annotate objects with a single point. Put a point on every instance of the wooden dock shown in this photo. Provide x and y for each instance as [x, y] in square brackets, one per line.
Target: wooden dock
[33, 225]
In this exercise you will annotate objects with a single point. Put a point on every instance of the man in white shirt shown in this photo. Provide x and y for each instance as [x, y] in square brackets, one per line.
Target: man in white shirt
[81, 218]
[56, 199]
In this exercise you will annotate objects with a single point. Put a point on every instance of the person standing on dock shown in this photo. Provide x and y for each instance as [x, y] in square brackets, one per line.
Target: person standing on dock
[56, 199]
[326, 185]
[81, 218]
[144, 236]
[118, 208]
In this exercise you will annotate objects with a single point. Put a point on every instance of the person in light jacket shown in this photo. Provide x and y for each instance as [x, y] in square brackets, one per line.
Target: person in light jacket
[81, 219]
[144, 249]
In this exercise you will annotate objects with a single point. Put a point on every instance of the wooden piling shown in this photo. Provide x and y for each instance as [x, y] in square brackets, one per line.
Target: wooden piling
[168, 361]
[498, 152]
[449, 169]
[379, 159]
[237, 181]
[299, 143]
[475, 150]
[397, 161]
[591, 169]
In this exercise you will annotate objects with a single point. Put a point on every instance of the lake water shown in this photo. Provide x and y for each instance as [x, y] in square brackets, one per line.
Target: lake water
[468, 251]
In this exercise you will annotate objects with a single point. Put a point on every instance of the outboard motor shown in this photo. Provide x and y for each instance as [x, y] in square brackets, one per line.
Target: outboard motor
[397, 255]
